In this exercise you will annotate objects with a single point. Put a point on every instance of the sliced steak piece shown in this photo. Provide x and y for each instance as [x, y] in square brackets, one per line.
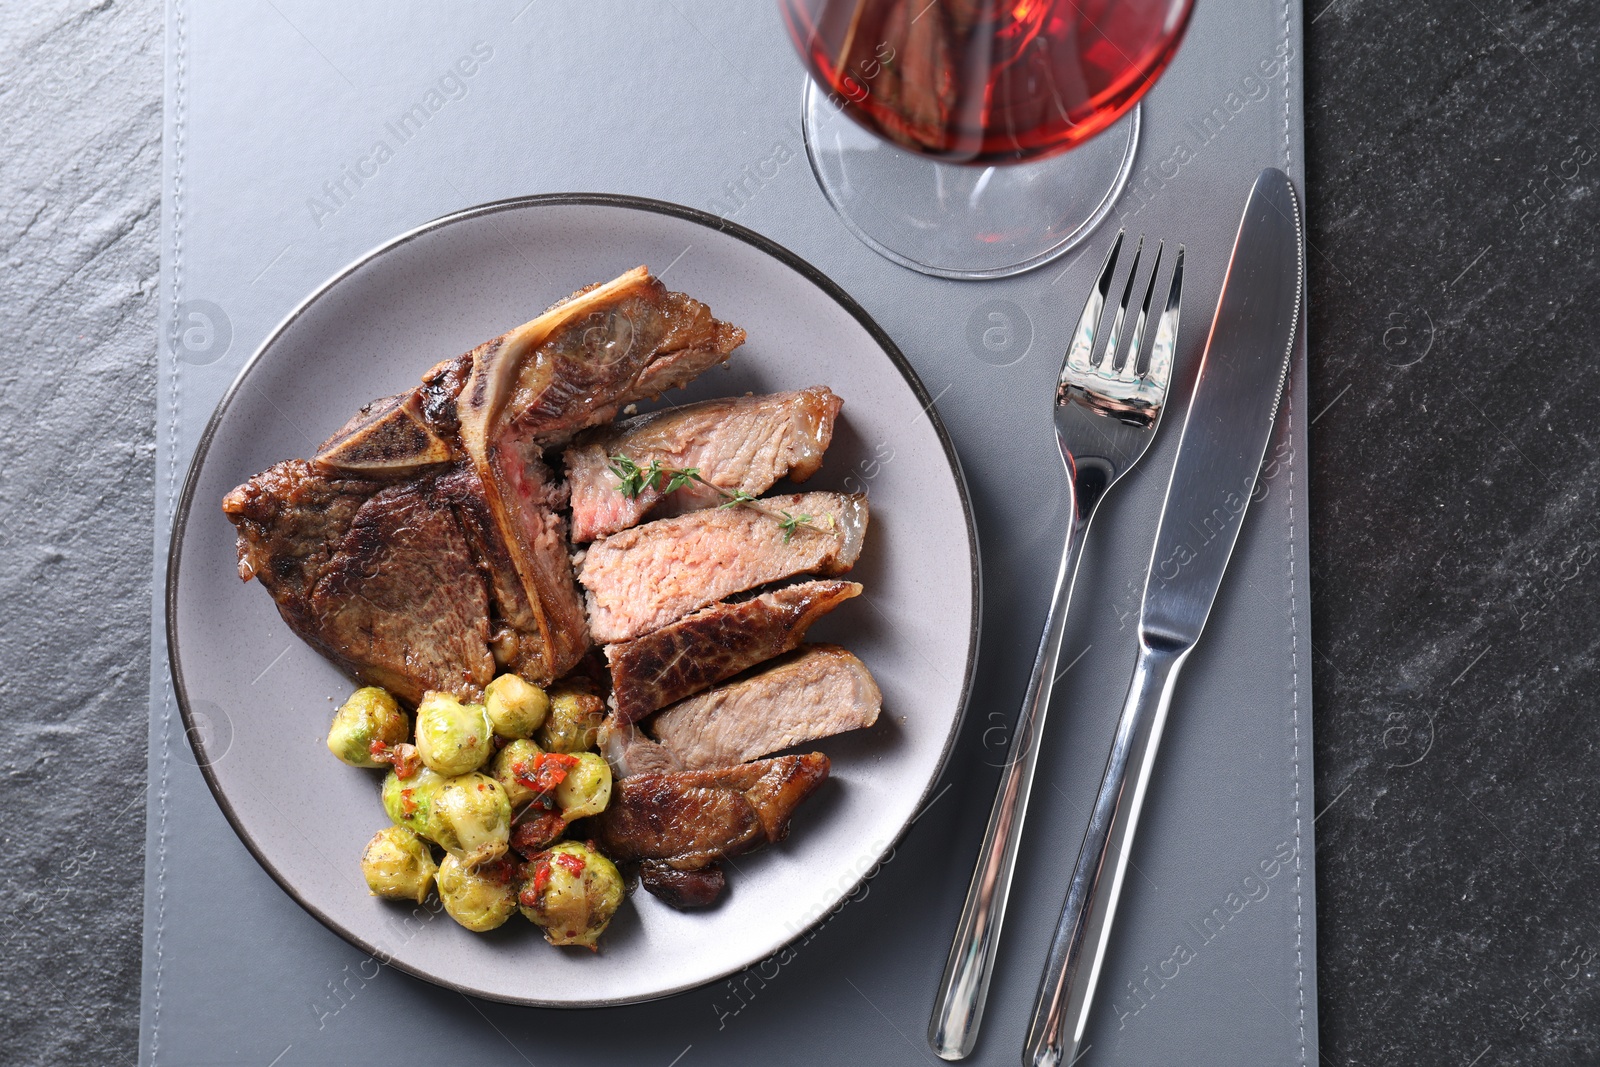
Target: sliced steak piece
[380, 579]
[630, 752]
[579, 362]
[743, 443]
[816, 691]
[692, 819]
[641, 579]
[683, 889]
[714, 644]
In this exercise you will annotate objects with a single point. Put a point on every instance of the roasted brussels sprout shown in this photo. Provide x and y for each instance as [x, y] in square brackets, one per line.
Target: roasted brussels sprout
[512, 768]
[479, 898]
[370, 715]
[409, 802]
[586, 788]
[515, 707]
[529, 775]
[452, 737]
[472, 818]
[398, 865]
[572, 892]
[573, 724]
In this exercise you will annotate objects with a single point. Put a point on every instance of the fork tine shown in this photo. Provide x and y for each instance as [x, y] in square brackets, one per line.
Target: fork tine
[1130, 366]
[1082, 347]
[1160, 372]
[1108, 362]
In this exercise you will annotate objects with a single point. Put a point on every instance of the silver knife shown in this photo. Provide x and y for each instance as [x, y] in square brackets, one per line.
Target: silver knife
[1219, 457]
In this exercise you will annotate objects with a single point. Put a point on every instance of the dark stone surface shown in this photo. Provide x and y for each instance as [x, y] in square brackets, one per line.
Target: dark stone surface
[1456, 554]
[1454, 165]
[80, 219]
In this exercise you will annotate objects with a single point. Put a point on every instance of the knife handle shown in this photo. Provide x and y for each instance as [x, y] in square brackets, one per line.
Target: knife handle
[1066, 990]
[964, 988]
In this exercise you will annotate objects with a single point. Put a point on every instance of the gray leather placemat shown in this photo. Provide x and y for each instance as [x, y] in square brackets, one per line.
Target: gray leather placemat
[274, 180]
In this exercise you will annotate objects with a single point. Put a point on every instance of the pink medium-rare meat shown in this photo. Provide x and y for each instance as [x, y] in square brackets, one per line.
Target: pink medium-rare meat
[738, 444]
[646, 577]
[715, 643]
[811, 693]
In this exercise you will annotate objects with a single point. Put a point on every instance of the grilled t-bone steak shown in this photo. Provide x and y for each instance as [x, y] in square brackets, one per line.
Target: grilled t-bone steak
[690, 820]
[470, 441]
[714, 644]
[814, 692]
[743, 443]
[643, 578]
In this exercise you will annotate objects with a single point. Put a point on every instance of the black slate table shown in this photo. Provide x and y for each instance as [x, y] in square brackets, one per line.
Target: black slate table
[1453, 154]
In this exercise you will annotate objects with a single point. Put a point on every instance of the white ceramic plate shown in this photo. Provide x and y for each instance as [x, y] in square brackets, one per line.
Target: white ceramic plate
[256, 700]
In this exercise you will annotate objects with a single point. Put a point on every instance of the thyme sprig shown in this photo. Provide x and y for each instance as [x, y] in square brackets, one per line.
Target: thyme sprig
[632, 479]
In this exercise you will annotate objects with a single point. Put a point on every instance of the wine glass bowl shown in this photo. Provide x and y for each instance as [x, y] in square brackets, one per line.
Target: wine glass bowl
[997, 88]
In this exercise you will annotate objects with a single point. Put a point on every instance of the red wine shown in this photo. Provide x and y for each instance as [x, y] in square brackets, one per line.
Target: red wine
[986, 81]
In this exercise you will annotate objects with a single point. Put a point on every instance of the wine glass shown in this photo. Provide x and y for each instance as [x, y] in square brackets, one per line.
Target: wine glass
[939, 129]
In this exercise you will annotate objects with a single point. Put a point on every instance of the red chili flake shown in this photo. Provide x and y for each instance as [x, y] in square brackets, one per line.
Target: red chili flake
[535, 830]
[543, 771]
[541, 874]
[402, 757]
[571, 862]
[408, 805]
[500, 871]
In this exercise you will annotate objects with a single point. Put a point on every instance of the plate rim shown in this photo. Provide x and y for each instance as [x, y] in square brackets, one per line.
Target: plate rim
[762, 243]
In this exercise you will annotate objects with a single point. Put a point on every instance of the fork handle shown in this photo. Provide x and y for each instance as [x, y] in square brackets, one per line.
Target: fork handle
[958, 1008]
[1066, 990]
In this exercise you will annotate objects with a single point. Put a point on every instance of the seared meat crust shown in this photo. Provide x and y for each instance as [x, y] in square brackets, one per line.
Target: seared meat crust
[394, 596]
[690, 819]
[714, 644]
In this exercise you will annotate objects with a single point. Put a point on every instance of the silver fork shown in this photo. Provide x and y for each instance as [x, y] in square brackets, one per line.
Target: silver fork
[1106, 413]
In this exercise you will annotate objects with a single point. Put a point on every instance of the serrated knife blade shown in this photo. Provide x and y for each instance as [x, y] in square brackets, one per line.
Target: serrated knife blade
[1231, 417]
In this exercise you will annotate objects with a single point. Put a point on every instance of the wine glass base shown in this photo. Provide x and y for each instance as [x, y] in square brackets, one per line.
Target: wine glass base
[958, 221]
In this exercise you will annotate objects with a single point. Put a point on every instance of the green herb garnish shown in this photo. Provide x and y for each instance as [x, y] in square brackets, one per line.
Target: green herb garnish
[632, 479]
